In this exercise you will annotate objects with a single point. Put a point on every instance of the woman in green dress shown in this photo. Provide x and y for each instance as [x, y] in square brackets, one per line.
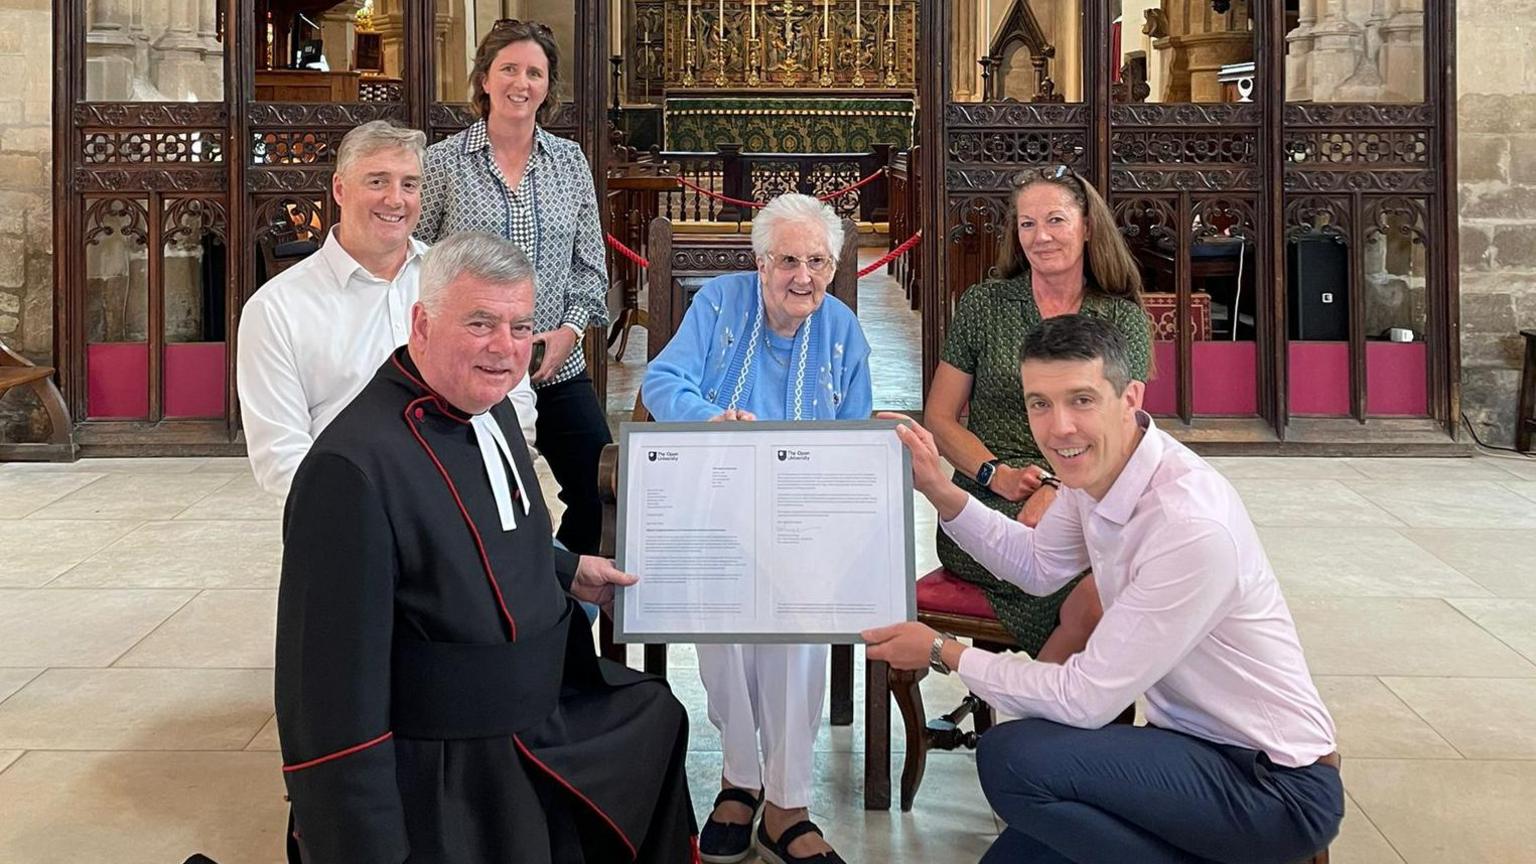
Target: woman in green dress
[1064, 256]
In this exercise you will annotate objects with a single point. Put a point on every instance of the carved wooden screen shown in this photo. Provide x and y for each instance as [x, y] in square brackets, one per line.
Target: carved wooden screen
[192, 167]
[1245, 211]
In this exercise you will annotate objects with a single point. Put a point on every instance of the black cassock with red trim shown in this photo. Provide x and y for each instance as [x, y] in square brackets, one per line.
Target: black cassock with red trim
[438, 695]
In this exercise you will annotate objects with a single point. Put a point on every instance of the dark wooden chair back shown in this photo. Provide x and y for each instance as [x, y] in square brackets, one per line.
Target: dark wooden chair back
[18, 371]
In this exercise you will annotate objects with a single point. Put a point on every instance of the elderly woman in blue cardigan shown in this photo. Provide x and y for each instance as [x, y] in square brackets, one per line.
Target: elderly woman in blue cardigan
[767, 345]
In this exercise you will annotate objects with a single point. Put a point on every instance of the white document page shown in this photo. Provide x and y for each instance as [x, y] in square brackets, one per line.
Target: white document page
[764, 531]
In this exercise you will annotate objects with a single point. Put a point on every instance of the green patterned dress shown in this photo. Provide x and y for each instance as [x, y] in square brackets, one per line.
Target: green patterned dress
[988, 329]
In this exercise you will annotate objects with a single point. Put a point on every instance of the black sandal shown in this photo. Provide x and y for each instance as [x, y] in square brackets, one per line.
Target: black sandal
[777, 851]
[727, 842]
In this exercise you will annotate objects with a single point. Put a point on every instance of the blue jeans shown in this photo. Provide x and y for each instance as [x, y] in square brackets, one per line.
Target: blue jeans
[1146, 795]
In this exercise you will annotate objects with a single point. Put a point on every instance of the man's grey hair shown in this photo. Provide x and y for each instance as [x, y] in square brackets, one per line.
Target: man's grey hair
[375, 136]
[481, 256]
[794, 207]
[1081, 337]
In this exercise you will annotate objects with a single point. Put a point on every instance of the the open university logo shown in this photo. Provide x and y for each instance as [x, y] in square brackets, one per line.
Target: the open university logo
[783, 454]
[651, 456]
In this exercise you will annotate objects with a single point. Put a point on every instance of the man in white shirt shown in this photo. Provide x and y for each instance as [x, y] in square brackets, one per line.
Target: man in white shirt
[315, 334]
[1238, 761]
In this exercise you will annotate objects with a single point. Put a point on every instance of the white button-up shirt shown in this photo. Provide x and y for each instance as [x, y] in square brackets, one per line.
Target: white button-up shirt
[1193, 615]
[310, 339]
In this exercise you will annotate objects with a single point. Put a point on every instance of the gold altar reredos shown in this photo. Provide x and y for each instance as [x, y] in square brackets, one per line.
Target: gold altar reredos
[782, 44]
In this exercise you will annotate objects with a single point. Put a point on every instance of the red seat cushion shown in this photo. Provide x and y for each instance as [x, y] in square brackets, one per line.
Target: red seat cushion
[940, 591]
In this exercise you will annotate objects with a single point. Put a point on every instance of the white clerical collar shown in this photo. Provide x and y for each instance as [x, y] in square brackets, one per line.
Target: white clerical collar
[497, 455]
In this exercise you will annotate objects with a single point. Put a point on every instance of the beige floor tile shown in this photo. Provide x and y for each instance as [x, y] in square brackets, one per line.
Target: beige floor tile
[241, 498]
[7, 757]
[1473, 504]
[266, 739]
[145, 465]
[1498, 559]
[1524, 488]
[1371, 636]
[1440, 811]
[138, 709]
[216, 555]
[1359, 562]
[228, 629]
[1373, 722]
[37, 550]
[950, 821]
[1359, 842]
[1511, 621]
[12, 680]
[224, 465]
[1484, 718]
[1284, 468]
[27, 491]
[1519, 467]
[142, 808]
[1326, 503]
[55, 627]
[134, 496]
[1433, 471]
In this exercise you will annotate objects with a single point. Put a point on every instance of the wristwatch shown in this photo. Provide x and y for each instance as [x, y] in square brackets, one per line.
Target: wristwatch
[936, 654]
[985, 473]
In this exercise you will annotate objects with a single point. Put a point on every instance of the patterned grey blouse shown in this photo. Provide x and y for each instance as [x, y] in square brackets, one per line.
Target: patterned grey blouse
[552, 215]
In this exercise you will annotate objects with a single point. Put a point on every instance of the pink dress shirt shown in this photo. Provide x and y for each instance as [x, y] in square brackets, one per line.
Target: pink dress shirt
[1193, 616]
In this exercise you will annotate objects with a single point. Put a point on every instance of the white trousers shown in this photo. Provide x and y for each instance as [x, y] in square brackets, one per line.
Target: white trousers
[766, 701]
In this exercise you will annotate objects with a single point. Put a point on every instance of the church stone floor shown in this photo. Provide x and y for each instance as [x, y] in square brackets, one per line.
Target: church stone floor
[137, 600]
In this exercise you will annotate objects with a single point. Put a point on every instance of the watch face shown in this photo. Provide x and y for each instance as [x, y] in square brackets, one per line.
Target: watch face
[985, 472]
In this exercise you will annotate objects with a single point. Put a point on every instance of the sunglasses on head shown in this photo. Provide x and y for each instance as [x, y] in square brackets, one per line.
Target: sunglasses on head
[504, 23]
[1052, 173]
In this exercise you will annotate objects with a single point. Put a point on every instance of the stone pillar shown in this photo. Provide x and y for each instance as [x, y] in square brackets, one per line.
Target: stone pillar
[109, 50]
[1298, 55]
[966, 51]
[1339, 47]
[1401, 60]
[337, 26]
[178, 56]
[213, 48]
[389, 23]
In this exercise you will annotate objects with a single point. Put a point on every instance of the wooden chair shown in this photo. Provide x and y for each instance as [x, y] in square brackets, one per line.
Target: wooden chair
[680, 264]
[953, 606]
[18, 371]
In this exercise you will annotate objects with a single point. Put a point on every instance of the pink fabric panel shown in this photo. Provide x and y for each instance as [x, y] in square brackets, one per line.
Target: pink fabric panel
[117, 380]
[194, 379]
[1163, 389]
[1319, 378]
[1226, 378]
[1395, 375]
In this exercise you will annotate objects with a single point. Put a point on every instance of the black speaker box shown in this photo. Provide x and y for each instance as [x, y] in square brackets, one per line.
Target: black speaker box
[1317, 288]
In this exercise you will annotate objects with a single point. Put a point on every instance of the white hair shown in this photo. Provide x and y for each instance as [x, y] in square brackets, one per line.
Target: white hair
[485, 257]
[794, 207]
[376, 135]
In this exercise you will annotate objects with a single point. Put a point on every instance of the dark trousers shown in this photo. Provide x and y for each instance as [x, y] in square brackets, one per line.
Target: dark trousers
[1128, 793]
[572, 431]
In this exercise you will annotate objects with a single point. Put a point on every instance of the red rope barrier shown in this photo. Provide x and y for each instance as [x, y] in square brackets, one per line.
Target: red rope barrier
[618, 246]
[844, 191]
[760, 204]
[892, 255]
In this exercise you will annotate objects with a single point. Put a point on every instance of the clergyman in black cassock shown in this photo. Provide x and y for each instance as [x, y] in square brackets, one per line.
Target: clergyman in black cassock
[438, 695]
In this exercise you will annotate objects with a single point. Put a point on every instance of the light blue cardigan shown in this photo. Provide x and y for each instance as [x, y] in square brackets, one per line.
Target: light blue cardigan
[695, 374]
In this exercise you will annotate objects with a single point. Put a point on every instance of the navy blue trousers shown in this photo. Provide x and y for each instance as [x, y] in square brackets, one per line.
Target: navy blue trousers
[1125, 794]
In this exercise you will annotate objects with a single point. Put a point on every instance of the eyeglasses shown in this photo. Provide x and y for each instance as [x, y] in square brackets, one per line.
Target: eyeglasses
[790, 263]
[505, 23]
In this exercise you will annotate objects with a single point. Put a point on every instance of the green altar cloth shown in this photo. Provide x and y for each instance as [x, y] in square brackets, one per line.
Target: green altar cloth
[787, 124]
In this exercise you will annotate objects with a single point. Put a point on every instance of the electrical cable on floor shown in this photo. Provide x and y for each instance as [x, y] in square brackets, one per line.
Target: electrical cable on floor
[1483, 446]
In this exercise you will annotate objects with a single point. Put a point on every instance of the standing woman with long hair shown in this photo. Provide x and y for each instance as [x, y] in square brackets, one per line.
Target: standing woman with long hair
[1060, 256]
[506, 175]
